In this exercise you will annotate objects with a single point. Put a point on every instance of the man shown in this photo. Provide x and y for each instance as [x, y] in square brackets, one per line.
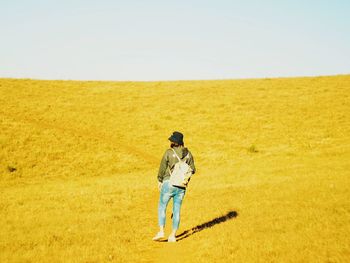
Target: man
[167, 191]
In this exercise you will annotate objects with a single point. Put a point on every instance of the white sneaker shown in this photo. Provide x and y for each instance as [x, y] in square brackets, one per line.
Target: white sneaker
[171, 238]
[159, 235]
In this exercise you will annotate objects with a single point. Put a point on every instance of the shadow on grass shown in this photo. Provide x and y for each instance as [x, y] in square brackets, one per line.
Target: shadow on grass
[211, 223]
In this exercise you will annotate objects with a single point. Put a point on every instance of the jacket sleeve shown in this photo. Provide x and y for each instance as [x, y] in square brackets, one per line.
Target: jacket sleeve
[163, 166]
[191, 164]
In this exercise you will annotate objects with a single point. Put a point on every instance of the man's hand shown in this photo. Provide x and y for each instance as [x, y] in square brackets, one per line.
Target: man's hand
[160, 186]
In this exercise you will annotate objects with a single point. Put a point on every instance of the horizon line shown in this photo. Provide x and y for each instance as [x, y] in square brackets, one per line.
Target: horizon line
[175, 80]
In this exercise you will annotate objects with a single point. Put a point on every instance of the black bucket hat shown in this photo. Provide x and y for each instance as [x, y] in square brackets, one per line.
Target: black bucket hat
[177, 137]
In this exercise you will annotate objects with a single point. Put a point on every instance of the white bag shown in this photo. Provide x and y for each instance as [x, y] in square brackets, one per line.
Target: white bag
[181, 173]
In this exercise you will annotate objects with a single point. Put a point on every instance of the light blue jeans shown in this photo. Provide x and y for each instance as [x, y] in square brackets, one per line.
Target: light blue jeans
[167, 192]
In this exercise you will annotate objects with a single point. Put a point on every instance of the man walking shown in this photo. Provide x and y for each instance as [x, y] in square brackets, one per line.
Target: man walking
[174, 154]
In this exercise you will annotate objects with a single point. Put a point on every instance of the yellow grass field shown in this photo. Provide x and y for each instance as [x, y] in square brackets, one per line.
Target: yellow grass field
[79, 160]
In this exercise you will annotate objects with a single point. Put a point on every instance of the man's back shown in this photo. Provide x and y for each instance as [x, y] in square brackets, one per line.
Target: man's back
[169, 160]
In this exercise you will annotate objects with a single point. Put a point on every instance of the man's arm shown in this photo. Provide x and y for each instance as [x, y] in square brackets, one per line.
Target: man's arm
[191, 164]
[162, 168]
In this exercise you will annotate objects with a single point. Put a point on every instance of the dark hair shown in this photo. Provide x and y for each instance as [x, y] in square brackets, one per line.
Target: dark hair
[175, 144]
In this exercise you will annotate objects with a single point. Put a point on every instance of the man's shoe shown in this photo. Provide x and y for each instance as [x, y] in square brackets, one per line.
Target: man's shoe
[171, 238]
[159, 236]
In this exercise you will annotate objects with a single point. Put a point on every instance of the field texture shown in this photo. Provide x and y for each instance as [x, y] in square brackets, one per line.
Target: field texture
[79, 160]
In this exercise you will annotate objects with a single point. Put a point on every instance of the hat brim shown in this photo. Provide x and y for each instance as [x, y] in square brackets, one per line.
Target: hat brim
[173, 139]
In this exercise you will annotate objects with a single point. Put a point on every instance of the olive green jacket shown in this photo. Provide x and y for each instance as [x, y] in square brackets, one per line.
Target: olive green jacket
[169, 160]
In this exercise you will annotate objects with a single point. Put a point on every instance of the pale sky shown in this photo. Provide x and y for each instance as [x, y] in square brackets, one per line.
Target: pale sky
[173, 40]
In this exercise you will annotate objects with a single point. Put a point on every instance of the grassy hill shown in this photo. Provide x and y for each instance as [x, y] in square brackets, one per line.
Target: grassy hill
[78, 166]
